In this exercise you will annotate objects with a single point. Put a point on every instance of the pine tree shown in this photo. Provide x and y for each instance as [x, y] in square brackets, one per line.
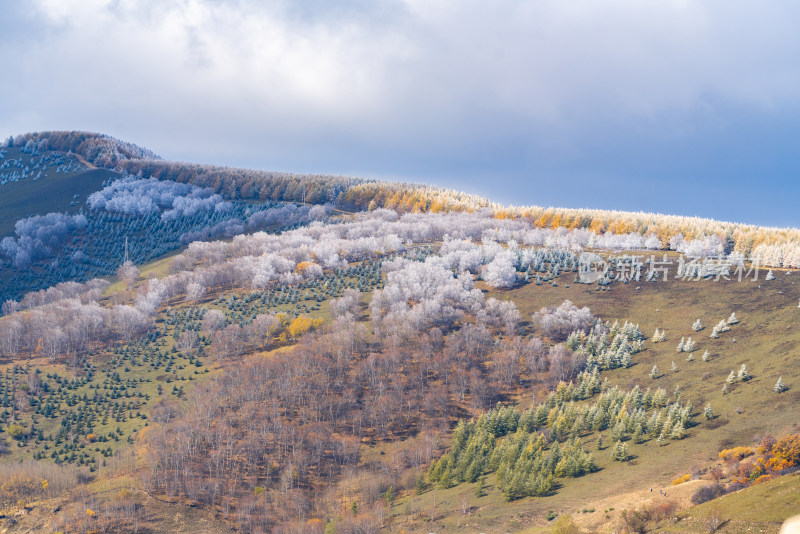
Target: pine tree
[516, 488]
[731, 378]
[663, 336]
[674, 367]
[732, 319]
[656, 336]
[678, 431]
[705, 356]
[697, 326]
[779, 387]
[654, 372]
[421, 485]
[618, 431]
[770, 276]
[708, 412]
[660, 398]
[388, 495]
[743, 375]
[446, 479]
[474, 470]
[680, 345]
[638, 434]
[480, 489]
[620, 452]
[725, 389]
[690, 358]
[689, 345]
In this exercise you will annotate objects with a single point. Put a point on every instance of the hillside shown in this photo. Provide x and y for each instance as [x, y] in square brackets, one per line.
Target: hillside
[763, 340]
[763, 507]
[773, 247]
[65, 179]
[62, 219]
[285, 353]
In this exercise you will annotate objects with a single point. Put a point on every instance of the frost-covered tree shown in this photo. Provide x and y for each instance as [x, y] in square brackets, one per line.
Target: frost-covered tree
[743, 375]
[681, 346]
[697, 326]
[731, 377]
[654, 372]
[662, 337]
[148, 302]
[732, 319]
[349, 303]
[213, 320]
[706, 356]
[39, 236]
[770, 276]
[708, 413]
[502, 315]
[559, 322]
[128, 321]
[128, 272]
[134, 196]
[720, 327]
[779, 387]
[690, 358]
[688, 346]
[656, 336]
[674, 367]
[418, 295]
[652, 242]
[501, 272]
[195, 291]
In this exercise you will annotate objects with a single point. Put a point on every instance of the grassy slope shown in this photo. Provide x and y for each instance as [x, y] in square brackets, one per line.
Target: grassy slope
[766, 338]
[760, 508]
[52, 193]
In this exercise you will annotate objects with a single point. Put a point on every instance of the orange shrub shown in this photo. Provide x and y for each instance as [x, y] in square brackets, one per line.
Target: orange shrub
[778, 464]
[681, 480]
[788, 449]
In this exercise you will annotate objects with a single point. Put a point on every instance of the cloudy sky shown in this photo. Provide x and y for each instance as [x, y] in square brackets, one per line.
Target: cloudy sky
[675, 106]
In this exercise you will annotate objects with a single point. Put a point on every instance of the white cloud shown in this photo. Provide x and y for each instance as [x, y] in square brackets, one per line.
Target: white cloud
[376, 85]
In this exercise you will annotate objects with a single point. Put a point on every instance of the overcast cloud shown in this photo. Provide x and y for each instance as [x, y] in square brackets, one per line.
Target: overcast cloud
[672, 106]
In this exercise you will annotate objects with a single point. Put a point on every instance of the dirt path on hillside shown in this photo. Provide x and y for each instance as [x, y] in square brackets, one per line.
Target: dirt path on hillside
[598, 522]
[83, 160]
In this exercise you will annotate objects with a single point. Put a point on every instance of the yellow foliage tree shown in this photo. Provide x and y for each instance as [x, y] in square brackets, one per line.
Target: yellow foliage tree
[303, 265]
[301, 325]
